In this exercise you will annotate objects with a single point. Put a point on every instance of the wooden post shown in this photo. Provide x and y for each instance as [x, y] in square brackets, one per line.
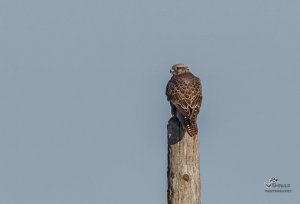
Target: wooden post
[183, 165]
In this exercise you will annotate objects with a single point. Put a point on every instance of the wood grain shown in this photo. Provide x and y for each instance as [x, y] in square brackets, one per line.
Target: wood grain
[183, 165]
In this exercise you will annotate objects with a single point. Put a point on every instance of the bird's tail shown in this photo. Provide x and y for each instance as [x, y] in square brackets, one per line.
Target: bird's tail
[191, 128]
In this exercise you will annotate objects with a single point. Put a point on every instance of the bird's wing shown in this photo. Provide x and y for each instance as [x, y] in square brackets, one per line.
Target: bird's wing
[186, 96]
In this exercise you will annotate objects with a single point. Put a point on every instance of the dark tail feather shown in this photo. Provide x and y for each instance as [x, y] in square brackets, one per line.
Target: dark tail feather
[191, 128]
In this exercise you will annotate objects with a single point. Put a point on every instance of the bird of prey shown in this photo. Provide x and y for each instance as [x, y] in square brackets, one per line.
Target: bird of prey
[184, 91]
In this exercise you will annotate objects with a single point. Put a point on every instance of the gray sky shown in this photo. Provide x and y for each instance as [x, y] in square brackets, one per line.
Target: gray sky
[83, 112]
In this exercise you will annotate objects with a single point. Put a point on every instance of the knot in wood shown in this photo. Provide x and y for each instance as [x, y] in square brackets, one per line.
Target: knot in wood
[186, 177]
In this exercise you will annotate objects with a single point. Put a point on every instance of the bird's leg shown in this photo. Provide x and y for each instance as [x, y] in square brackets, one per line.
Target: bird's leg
[173, 109]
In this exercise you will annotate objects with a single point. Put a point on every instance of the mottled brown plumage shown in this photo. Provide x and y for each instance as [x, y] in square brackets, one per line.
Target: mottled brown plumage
[184, 92]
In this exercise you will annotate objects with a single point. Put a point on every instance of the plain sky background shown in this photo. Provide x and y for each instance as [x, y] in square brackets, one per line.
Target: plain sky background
[83, 112]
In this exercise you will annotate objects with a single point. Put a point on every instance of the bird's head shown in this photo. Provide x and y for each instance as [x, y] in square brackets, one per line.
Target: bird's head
[179, 69]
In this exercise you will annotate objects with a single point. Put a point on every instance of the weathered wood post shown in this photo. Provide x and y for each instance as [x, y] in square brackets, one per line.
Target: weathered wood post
[183, 165]
[184, 92]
